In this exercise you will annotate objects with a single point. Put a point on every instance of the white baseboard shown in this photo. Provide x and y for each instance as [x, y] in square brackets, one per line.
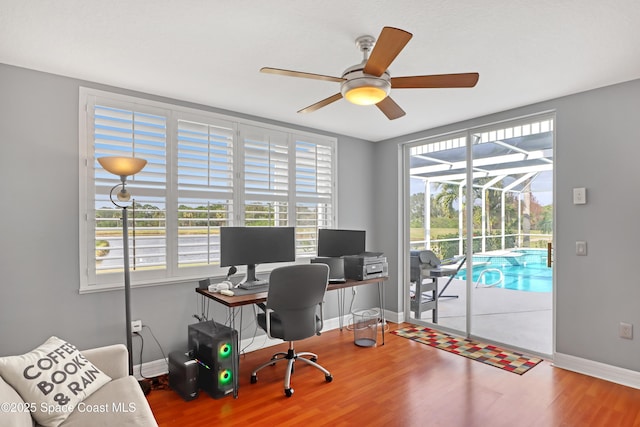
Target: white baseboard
[603, 371]
[394, 317]
[151, 369]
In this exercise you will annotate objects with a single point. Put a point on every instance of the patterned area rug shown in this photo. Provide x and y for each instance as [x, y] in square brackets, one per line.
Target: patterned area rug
[490, 354]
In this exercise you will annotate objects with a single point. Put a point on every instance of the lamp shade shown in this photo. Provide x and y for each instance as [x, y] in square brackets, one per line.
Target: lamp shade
[122, 166]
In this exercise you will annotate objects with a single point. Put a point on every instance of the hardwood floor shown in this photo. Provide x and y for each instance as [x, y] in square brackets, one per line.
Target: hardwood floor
[403, 383]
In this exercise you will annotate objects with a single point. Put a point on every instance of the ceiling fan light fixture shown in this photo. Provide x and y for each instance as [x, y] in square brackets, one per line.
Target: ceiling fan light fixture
[369, 82]
[365, 90]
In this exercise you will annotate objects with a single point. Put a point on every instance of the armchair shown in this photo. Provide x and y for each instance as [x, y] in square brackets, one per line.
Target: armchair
[119, 402]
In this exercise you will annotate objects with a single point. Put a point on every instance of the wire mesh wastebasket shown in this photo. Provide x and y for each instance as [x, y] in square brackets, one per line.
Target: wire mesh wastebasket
[365, 327]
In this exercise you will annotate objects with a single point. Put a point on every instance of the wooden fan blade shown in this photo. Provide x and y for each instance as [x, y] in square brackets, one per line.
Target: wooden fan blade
[389, 44]
[320, 104]
[290, 73]
[390, 109]
[435, 81]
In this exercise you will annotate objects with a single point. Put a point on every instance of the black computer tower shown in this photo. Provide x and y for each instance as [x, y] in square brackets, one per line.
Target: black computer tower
[215, 348]
[183, 375]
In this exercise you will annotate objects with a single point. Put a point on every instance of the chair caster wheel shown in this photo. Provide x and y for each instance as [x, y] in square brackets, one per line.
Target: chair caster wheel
[328, 378]
[288, 392]
[254, 379]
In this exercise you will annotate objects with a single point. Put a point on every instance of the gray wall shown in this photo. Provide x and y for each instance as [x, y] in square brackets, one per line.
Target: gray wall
[39, 225]
[597, 147]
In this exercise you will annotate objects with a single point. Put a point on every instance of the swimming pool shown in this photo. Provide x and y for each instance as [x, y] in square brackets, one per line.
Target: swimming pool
[526, 270]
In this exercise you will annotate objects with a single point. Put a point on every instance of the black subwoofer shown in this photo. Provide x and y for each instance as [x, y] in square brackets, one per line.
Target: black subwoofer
[183, 375]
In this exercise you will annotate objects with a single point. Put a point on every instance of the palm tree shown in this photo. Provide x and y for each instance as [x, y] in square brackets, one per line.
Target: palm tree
[447, 195]
[416, 210]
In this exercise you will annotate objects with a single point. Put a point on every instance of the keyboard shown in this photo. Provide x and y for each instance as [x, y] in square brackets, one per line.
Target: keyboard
[253, 284]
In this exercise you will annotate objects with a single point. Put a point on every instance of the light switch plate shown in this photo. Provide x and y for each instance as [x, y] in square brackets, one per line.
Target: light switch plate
[581, 248]
[579, 196]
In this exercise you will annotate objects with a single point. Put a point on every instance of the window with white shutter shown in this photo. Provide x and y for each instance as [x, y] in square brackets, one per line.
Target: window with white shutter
[204, 171]
[266, 177]
[121, 129]
[205, 188]
[314, 177]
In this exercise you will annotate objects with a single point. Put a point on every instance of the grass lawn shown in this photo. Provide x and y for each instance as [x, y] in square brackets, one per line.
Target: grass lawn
[418, 233]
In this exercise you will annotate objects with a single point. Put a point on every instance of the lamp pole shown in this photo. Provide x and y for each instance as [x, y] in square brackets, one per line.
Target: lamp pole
[124, 167]
[127, 285]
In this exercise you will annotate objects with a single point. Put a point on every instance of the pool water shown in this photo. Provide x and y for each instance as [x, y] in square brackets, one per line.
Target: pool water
[528, 272]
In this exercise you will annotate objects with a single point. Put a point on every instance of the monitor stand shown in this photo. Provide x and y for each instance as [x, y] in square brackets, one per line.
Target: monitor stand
[250, 276]
[250, 280]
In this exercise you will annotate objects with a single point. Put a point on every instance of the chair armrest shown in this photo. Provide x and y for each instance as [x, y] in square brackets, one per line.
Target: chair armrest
[113, 360]
[321, 309]
[268, 313]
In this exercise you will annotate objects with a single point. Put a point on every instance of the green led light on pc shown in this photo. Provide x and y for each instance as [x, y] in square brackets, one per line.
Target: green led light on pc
[224, 351]
[225, 377]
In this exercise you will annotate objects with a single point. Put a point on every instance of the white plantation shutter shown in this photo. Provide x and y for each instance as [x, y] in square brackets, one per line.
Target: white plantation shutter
[205, 188]
[123, 129]
[314, 177]
[266, 177]
[204, 171]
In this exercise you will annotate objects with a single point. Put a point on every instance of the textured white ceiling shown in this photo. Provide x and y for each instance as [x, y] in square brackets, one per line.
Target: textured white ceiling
[210, 51]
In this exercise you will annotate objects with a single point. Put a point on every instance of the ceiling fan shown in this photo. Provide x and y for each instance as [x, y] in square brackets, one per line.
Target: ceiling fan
[369, 82]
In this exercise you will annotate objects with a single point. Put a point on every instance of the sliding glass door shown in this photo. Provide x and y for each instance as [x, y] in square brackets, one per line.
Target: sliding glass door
[493, 281]
[437, 217]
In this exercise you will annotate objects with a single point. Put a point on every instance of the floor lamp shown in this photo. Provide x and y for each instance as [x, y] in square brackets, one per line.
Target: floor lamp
[124, 167]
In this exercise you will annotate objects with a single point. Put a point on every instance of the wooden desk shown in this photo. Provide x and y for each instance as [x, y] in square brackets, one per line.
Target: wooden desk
[234, 301]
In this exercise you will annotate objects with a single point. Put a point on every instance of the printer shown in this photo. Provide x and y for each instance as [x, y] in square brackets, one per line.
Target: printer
[369, 265]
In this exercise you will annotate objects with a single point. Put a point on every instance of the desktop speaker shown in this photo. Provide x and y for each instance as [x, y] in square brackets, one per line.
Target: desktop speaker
[183, 375]
[215, 348]
[204, 283]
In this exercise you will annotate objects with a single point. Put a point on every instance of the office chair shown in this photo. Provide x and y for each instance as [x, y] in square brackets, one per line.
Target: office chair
[294, 301]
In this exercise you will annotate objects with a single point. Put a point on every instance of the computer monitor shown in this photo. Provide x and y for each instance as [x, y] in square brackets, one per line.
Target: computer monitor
[256, 245]
[337, 243]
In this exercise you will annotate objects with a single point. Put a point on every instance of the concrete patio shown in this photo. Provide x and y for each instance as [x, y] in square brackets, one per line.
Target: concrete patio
[517, 319]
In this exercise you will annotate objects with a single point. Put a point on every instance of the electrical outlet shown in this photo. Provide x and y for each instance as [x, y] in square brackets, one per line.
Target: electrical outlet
[136, 326]
[625, 330]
